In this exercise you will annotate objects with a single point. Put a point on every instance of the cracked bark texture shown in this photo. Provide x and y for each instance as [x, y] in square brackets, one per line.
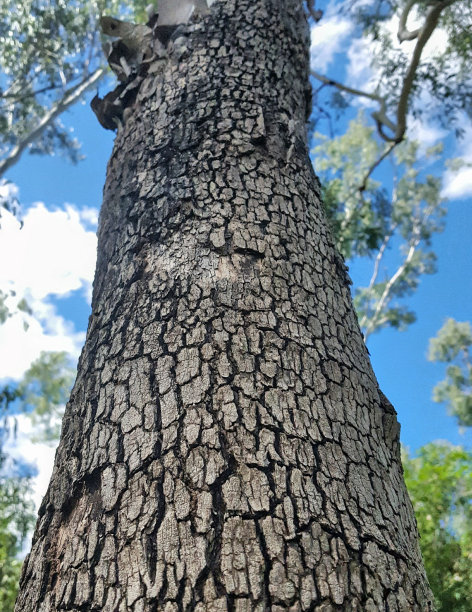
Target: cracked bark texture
[226, 446]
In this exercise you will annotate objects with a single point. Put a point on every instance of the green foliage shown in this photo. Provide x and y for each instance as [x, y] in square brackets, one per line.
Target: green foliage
[367, 219]
[16, 521]
[16, 513]
[8, 196]
[41, 50]
[452, 345]
[439, 482]
[48, 48]
[358, 215]
[10, 308]
[4, 312]
[443, 76]
[43, 392]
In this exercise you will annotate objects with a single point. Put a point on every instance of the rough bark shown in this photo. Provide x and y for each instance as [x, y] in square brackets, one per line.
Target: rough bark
[226, 446]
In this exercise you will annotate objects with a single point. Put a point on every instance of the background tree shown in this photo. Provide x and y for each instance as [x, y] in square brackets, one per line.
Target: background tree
[439, 481]
[404, 75]
[50, 55]
[17, 519]
[452, 345]
[368, 220]
[16, 511]
[42, 395]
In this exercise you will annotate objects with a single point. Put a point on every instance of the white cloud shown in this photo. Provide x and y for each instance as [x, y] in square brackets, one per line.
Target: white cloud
[328, 38]
[39, 455]
[18, 348]
[425, 133]
[458, 185]
[89, 215]
[8, 196]
[52, 255]
[8, 191]
[362, 75]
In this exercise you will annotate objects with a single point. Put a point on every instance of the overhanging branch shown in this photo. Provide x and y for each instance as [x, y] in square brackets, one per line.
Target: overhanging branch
[422, 36]
[68, 99]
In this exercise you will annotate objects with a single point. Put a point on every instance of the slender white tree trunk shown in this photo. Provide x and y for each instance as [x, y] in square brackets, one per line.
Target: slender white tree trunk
[226, 446]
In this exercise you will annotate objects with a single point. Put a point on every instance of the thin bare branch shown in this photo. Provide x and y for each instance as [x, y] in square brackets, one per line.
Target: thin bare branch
[388, 149]
[15, 98]
[379, 257]
[70, 97]
[388, 289]
[342, 87]
[403, 32]
[317, 14]
[380, 116]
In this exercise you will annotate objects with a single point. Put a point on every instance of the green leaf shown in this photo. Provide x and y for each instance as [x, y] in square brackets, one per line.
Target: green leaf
[439, 481]
[452, 345]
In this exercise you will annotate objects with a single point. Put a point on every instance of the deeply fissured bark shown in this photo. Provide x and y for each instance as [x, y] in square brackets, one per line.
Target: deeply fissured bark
[225, 446]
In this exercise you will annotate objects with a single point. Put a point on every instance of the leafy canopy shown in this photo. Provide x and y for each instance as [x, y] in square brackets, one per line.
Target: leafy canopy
[371, 219]
[43, 392]
[16, 513]
[50, 54]
[439, 481]
[452, 345]
[412, 75]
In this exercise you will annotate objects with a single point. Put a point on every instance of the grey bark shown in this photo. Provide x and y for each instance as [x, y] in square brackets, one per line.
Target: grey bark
[226, 446]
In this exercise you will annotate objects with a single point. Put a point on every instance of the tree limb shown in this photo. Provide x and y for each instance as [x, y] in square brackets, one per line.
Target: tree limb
[422, 35]
[312, 11]
[388, 288]
[69, 98]
[15, 97]
[388, 149]
[380, 116]
[403, 32]
[379, 257]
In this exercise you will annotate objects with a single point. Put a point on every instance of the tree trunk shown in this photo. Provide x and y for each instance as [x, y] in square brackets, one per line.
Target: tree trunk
[226, 446]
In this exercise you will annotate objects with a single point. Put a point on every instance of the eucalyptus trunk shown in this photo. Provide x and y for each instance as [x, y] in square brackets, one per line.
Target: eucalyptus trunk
[226, 445]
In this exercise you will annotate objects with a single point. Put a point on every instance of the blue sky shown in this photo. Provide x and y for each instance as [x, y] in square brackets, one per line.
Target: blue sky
[51, 262]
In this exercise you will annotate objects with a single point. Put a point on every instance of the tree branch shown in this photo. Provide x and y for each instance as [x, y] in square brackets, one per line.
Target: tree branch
[403, 32]
[312, 11]
[388, 149]
[379, 257]
[69, 98]
[363, 185]
[422, 35]
[380, 116]
[15, 98]
[388, 288]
